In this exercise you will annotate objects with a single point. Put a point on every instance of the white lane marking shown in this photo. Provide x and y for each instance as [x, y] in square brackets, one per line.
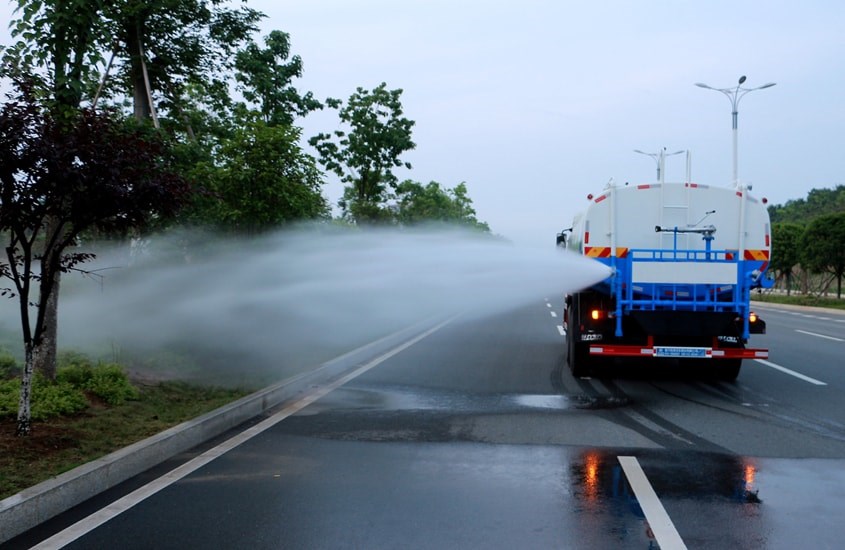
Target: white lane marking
[820, 335]
[662, 527]
[791, 372]
[553, 314]
[560, 330]
[84, 526]
[548, 305]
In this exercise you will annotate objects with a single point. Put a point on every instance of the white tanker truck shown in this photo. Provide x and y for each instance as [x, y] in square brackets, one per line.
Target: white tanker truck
[684, 259]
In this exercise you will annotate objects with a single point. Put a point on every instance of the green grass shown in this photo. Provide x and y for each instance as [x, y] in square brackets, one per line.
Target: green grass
[800, 300]
[63, 443]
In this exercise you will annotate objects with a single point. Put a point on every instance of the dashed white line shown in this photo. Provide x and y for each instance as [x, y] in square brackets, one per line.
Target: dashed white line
[560, 330]
[820, 335]
[553, 314]
[661, 525]
[791, 372]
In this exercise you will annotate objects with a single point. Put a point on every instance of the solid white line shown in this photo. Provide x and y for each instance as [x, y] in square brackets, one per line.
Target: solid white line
[820, 335]
[662, 527]
[103, 515]
[791, 372]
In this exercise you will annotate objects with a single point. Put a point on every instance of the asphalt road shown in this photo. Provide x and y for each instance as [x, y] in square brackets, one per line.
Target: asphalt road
[477, 436]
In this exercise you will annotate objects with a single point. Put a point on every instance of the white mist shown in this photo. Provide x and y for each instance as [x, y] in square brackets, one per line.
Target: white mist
[282, 302]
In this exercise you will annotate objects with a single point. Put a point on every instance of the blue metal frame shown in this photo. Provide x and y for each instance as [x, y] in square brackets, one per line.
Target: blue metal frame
[632, 295]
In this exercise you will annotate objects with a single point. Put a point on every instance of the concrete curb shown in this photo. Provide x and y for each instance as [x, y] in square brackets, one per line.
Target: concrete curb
[37, 504]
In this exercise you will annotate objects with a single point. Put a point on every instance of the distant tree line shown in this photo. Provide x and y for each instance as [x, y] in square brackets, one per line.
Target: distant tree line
[808, 241]
[134, 116]
[802, 211]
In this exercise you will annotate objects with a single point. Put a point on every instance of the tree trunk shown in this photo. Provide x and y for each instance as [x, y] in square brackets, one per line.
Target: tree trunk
[24, 427]
[139, 89]
[44, 356]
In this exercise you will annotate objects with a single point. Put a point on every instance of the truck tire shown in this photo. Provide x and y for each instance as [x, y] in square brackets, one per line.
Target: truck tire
[728, 369]
[578, 353]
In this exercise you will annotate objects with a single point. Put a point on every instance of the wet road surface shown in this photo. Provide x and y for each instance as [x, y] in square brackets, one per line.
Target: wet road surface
[478, 437]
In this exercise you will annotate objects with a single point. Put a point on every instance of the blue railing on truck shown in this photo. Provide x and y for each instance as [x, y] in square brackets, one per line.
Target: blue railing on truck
[632, 295]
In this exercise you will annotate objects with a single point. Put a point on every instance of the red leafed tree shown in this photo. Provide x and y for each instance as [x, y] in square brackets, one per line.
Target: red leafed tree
[59, 178]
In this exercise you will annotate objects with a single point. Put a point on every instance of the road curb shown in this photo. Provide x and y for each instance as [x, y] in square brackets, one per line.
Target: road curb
[39, 503]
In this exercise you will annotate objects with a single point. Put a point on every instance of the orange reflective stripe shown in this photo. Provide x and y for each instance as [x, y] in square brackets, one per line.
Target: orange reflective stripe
[604, 251]
[757, 255]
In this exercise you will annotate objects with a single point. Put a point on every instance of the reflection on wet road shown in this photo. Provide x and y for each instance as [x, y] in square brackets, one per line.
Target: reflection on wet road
[477, 436]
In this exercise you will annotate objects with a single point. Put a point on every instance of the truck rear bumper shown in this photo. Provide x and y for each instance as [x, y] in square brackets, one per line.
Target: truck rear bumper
[680, 352]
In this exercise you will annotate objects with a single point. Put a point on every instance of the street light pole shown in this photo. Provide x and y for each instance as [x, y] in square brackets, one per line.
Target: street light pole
[734, 95]
[660, 158]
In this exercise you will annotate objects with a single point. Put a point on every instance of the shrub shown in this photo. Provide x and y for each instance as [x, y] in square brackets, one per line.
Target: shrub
[110, 383]
[55, 399]
[48, 399]
[8, 366]
[10, 391]
[69, 358]
[77, 375]
[106, 381]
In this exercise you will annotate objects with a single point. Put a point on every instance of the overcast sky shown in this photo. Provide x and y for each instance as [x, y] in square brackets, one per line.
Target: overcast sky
[534, 104]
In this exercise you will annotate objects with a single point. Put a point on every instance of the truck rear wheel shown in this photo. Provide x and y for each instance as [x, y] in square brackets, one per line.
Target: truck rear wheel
[578, 353]
[728, 369]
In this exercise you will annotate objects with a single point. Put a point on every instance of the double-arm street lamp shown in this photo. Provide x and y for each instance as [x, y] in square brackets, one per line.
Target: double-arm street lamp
[734, 95]
[660, 158]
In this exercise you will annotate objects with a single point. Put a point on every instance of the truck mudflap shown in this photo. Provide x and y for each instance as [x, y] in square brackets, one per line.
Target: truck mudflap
[678, 352]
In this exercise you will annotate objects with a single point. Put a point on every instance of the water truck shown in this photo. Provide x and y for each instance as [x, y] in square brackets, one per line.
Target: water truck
[684, 259]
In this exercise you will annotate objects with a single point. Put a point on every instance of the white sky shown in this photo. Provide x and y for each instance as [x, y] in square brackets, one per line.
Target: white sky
[535, 104]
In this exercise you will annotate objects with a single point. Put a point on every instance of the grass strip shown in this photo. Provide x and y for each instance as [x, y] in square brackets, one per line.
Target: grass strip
[800, 300]
[61, 444]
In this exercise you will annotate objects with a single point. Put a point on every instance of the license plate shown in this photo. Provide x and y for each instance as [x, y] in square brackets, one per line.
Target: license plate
[678, 351]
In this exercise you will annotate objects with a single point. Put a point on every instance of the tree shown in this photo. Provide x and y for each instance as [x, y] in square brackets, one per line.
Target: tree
[818, 203]
[266, 80]
[185, 47]
[59, 178]
[786, 250]
[823, 245]
[62, 38]
[176, 54]
[264, 180]
[183, 44]
[365, 156]
[431, 203]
